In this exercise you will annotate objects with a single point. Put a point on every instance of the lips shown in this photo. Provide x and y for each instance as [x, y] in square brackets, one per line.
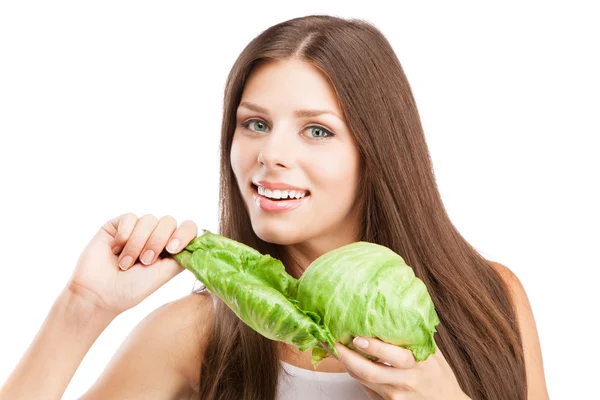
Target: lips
[271, 205]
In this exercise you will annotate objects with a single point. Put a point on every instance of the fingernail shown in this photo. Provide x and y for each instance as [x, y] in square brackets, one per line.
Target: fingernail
[173, 245]
[361, 342]
[125, 263]
[147, 257]
[116, 249]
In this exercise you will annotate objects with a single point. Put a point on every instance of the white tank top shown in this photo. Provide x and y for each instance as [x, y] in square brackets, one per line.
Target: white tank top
[303, 384]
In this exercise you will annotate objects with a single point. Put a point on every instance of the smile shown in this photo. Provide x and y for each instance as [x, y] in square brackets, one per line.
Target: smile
[278, 200]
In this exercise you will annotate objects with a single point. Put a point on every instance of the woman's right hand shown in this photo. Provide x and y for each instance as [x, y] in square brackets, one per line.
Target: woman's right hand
[98, 278]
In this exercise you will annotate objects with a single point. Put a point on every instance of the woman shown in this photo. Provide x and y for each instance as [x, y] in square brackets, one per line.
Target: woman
[322, 146]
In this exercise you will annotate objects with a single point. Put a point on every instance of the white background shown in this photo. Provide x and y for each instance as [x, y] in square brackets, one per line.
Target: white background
[115, 106]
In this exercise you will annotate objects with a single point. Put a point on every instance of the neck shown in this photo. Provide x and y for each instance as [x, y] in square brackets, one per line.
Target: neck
[298, 257]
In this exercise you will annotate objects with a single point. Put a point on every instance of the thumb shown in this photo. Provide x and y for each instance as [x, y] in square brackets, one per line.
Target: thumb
[165, 270]
[155, 275]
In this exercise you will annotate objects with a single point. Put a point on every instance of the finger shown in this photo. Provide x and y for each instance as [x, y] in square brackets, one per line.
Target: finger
[364, 369]
[123, 226]
[373, 395]
[137, 240]
[377, 391]
[158, 239]
[392, 354]
[186, 232]
[383, 391]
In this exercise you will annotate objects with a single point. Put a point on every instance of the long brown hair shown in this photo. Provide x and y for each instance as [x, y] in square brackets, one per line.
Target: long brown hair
[402, 208]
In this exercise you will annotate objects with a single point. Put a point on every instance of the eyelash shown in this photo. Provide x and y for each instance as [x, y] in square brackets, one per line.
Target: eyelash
[327, 131]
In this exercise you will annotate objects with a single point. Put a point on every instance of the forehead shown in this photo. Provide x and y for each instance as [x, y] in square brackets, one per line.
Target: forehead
[290, 84]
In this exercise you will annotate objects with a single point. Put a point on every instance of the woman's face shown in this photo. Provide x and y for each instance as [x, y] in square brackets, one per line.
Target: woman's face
[290, 140]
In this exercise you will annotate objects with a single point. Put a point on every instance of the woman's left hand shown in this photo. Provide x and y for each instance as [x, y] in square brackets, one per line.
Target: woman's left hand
[404, 378]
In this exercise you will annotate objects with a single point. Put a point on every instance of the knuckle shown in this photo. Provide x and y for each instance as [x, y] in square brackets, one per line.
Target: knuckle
[122, 235]
[168, 220]
[149, 218]
[127, 221]
[112, 223]
[409, 384]
[406, 357]
[406, 361]
[369, 376]
[116, 224]
[188, 222]
[191, 225]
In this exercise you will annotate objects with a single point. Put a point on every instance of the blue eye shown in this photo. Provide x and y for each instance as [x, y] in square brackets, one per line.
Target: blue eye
[317, 132]
[247, 124]
[322, 133]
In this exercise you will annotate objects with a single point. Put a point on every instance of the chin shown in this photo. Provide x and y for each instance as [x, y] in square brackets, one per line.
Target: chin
[277, 233]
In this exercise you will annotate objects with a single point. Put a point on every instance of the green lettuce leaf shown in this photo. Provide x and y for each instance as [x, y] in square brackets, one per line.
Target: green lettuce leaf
[364, 289]
[361, 289]
[256, 288]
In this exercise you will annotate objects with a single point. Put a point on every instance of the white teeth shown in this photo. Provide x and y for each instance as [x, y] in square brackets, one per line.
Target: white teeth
[281, 194]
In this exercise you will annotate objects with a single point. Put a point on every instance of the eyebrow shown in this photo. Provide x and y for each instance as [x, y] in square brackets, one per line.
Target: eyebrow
[297, 113]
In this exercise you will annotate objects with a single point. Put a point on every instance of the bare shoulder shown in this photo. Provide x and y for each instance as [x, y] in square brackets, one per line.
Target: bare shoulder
[162, 356]
[518, 294]
[536, 382]
[191, 317]
[509, 277]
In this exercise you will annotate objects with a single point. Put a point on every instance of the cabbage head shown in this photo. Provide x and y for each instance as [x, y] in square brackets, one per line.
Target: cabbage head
[361, 289]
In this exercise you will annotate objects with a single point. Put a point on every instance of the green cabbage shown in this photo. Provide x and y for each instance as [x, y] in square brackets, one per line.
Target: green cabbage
[361, 289]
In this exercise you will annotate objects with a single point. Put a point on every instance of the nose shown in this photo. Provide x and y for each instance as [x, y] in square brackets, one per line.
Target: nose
[277, 150]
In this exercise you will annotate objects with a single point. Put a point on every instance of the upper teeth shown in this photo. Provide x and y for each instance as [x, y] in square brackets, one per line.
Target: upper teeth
[281, 194]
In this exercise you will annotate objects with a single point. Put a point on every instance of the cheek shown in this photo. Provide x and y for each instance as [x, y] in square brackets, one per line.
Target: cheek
[234, 157]
[238, 157]
[337, 173]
